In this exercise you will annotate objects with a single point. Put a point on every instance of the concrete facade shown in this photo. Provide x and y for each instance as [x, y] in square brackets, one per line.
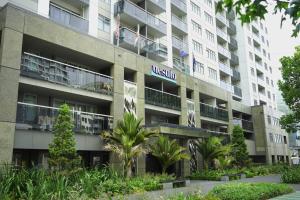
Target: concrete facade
[32, 45]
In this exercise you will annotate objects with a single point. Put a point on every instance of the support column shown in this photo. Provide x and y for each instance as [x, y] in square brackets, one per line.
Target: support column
[43, 7]
[186, 163]
[92, 16]
[10, 60]
[197, 107]
[183, 118]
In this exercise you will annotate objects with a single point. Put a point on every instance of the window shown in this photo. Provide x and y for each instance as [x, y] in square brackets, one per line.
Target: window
[210, 36]
[249, 41]
[252, 71]
[273, 97]
[271, 137]
[269, 94]
[199, 67]
[266, 66]
[254, 87]
[208, 18]
[251, 56]
[269, 57]
[212, 73]
[270, 69]
[268, 43]
[196, 9]
[266, 30]
[209, 3]
[210, 54]
[269, 119]
[272, 83]
[267, 80]
[197, 47]
[261, 25]
[264, 53]
[103, 23]
[263, 39]
[196, 27]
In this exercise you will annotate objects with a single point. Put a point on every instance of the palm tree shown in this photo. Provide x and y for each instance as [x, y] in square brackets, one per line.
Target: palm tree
[210, 149]
[127, 140]
[167, 152]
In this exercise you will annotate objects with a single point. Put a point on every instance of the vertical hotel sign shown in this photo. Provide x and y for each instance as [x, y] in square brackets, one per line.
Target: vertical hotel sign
[166, 74]
[130, 97]
[191, 113]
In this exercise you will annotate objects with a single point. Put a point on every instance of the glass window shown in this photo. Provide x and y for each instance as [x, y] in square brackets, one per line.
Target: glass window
[210, 36]
[197, 47]
[209, 3]
[103, 23]
[208, 18]
[210, 54]
[199, 67]
[212, 73]
[196, 9]
[196, 27]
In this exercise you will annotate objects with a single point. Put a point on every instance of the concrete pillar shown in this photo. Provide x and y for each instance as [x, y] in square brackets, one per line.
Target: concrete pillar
[230, 117]
[115, 162]
[10, 60]
[140, 81]
[117, 109]
[43, 8]
[186, 163]
[197, 107]
[92, 16]
[183, 118]
[141, 165]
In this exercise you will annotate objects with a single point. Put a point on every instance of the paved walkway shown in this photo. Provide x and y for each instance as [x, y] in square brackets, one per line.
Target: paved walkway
[293, 196]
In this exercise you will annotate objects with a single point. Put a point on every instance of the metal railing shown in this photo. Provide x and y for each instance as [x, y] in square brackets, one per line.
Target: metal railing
[181, 66]
[45, 69]
[42, 118]
[213, 112]
[131, 9]
[179, 44]
[245, 124]
[180, 4]
[68, 18]
[224, 68]
[177, 22]
[162, 99]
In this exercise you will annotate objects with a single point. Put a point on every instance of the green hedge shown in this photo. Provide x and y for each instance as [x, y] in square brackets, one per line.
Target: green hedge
[291, 175]
[250, 191]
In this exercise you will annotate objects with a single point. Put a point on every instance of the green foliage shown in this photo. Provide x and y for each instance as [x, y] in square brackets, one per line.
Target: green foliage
[291, 175]
[250, 191]
[62, 150]
[239, 148]
[127, 140]
[195, 196]
[250, 10]
[290, 90]
[93, 184]
[167, 152]
[210, 149]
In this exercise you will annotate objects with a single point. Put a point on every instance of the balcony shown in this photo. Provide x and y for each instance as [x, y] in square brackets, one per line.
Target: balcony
[256, 37]
[262, 97]
[245, 124]
[45, 69]
[230, 15]
[233, 45]
[179, 6]
[179, 25]
[181, 66]
[222, 35]
[68, 18]
[259, 66]
[234, 59]
[213, 112]
[257, 51]
[236, 76]
[155, 51]
[42, 118]
[225, 69]
[226, 86]
[231, 29]
[132, 14]
[223, 52]
[179, 45]
[162, 99]
[158, 5]
[221, 20]
[261, 81]
[237, 91]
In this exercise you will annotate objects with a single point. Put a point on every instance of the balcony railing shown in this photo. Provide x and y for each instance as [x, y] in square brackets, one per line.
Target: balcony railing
[222, 18]
[162, 99]
[179, 44]
[146, 45]
[245, 124]
[42, 118]
[236, 75]
[138, 13]
[226, 86]
[231, 29]
[224, 51]
[234, 59]
[180, 4]
[159, 3]
[68, 18]
[233, 43]
[222, 34]
[181, 66]
[179, 24]
[259, 66]
[213, 112]
[237, 91]
[224, 68]
[45, 69]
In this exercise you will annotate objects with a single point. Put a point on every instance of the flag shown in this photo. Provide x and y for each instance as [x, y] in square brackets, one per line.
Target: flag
[137, 37]
[194, 63]
[182, 53]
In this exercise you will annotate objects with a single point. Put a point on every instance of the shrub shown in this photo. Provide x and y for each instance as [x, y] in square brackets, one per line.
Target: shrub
[195, 196]
[291, 175]
[250, 191]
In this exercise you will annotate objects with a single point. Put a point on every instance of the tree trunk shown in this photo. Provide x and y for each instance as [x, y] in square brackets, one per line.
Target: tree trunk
[205, 164]
[164, 169]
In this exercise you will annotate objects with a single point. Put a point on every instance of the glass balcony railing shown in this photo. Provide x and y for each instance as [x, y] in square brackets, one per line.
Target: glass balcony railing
[237, 91]
[146, 45]
[162, 99]
[231, 29]
[233, 43]
[42, 118]
[45, 69]
[234, 59]
[159, 3]
[224, 68]
[236, 75]
[180, 4]
[181, 66]
[179, 44]
[245, 124]
[220, 17]
[223, 51]
[179, 24]
[213, 112]
[68, 18]
[222, 34]
[138, 13]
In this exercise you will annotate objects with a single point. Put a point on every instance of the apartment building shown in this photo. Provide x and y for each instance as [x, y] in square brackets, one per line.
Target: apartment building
[176, 64]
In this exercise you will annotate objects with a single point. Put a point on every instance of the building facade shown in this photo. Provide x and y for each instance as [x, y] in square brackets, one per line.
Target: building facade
[178, 65]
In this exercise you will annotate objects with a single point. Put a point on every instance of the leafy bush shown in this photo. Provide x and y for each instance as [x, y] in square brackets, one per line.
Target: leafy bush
[250, 191]
[291, 175]
[196, 196]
